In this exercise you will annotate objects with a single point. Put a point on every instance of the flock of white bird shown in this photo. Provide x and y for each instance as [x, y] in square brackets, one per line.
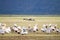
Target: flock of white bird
[47, 28]
[50, 28]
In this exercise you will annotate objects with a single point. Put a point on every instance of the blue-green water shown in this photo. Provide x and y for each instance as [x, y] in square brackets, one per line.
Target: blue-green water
[30, 7]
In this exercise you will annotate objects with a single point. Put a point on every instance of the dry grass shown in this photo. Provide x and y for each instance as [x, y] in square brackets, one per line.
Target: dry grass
[32, 36]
